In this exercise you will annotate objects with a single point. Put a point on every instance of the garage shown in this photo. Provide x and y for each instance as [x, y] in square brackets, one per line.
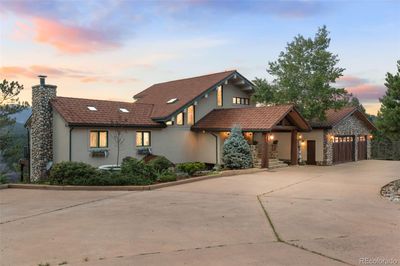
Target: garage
[362, 147]
[343, 149]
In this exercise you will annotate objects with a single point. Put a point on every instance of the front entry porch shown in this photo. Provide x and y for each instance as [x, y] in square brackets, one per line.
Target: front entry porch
[270, 149]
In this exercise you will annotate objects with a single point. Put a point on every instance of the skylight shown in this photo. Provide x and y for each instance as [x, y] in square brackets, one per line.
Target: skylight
[124, 110]
[172, 100]
[92, 108]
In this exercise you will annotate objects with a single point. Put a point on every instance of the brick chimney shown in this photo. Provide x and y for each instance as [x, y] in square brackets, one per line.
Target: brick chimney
[41, 128]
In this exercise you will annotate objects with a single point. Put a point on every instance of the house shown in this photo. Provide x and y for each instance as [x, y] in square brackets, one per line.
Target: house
[184, 120]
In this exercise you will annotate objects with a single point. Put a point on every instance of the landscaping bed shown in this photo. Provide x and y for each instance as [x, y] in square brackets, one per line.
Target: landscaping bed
[391, 191]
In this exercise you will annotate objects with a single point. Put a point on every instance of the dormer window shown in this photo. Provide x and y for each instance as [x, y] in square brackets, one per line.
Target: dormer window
[92, 108]
[123, 110]
[172, 100]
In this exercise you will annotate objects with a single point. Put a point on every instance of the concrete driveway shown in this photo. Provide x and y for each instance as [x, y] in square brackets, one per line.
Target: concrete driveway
[294, 216]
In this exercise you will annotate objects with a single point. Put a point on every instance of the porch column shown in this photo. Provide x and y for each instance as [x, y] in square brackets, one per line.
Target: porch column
[293, 148]
[264, 151]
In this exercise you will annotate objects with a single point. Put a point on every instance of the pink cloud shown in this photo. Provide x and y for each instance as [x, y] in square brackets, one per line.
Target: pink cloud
[367, 91]
[70, 39]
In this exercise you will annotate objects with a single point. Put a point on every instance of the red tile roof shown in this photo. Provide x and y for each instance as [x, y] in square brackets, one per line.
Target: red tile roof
[249, 119]
[76, 113]
[186, 90]
[333, 117]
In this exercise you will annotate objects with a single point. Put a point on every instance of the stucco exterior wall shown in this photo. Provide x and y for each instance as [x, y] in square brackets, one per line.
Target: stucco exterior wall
[284, 142]
[60, 139]
[206, 105]
[318, 136]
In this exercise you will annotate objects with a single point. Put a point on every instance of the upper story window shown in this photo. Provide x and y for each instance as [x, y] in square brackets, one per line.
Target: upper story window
[179, 119]
[169, 123]
[190, 115]
[98, 139]
[143, 138]
[239, 100]
[219, 96]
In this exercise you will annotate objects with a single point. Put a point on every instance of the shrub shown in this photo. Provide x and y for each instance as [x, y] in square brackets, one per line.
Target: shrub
[160, 163]
[166, 176]
[3, 179]
[236, 151]
[191, 168]
[60, 173]
[133, 167]
[107, 178]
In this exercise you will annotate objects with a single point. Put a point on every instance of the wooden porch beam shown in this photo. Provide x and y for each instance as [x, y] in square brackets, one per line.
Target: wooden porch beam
[264, 151]
[293, 148]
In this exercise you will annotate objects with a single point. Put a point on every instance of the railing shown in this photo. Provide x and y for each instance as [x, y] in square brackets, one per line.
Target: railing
[385, 150]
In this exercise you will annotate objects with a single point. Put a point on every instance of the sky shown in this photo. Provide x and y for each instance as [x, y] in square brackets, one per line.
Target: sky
[113, 49]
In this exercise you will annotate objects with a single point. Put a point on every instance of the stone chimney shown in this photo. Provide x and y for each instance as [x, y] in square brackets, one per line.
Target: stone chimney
[41, 128]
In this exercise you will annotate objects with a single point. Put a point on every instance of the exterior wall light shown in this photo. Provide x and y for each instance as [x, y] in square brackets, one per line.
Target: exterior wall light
[370, 136]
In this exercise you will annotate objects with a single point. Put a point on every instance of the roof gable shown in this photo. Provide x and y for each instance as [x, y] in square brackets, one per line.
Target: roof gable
[334, 117]
[250, 118]
[75, 112]
[184, 91]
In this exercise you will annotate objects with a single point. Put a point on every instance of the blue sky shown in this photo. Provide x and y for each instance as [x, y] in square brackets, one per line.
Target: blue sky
[113, 49]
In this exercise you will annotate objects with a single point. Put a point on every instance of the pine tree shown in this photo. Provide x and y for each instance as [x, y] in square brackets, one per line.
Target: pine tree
[236, 151]
[388, 120]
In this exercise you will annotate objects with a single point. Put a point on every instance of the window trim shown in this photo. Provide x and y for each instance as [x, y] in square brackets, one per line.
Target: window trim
[142, 133]
[98, 139]
[183, 119]
[220, 88]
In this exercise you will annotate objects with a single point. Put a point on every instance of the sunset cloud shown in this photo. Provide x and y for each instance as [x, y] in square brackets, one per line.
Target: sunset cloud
[361, 88]
[71, 39]
[31, 72]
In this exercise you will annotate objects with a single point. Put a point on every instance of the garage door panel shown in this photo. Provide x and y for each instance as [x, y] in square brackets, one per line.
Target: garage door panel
[343, 149]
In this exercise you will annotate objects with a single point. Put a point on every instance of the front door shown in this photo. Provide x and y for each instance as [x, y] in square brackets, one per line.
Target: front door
[311, 152]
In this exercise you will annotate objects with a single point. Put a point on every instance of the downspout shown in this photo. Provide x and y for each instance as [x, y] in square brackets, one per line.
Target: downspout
[216, 148]
[29, 153]
[70, 143]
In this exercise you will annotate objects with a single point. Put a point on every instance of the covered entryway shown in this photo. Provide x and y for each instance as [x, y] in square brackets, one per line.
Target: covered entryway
[362, 147]
[343, 149]
[259, 126]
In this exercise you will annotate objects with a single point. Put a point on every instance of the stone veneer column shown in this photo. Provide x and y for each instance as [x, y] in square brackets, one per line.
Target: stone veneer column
[328, 148]
[41, 128]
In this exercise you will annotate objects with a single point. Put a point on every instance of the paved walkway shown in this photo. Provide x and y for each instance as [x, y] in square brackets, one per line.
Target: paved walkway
[321, 216]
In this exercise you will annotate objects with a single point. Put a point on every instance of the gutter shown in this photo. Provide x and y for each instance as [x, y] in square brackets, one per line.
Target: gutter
[70, 143]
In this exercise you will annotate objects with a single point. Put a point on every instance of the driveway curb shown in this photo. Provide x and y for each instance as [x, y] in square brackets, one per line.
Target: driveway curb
[133, 188]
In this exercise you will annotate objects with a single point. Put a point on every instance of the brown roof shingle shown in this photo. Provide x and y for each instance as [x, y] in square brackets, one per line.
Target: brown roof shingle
[249, 119]
[185, 90]
[76, 113]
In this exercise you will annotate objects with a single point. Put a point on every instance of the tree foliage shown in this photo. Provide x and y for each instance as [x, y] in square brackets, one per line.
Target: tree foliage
[303, 76]
[388, 120]
[236, 151]
[10, 142]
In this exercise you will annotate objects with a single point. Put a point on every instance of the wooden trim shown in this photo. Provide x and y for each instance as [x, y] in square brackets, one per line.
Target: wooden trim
[293, 148]
[264, 151]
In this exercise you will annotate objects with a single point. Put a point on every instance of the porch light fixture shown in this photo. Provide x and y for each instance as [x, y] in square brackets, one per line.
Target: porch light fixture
[330, 137]
[300, 136]
[271, 137]
[302, 142]
[370, 136]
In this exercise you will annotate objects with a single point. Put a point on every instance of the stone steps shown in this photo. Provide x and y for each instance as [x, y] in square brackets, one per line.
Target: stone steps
[273, 164]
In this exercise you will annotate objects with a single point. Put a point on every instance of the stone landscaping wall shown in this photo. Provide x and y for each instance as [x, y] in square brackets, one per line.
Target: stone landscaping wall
[349, 126]
[41, 130]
